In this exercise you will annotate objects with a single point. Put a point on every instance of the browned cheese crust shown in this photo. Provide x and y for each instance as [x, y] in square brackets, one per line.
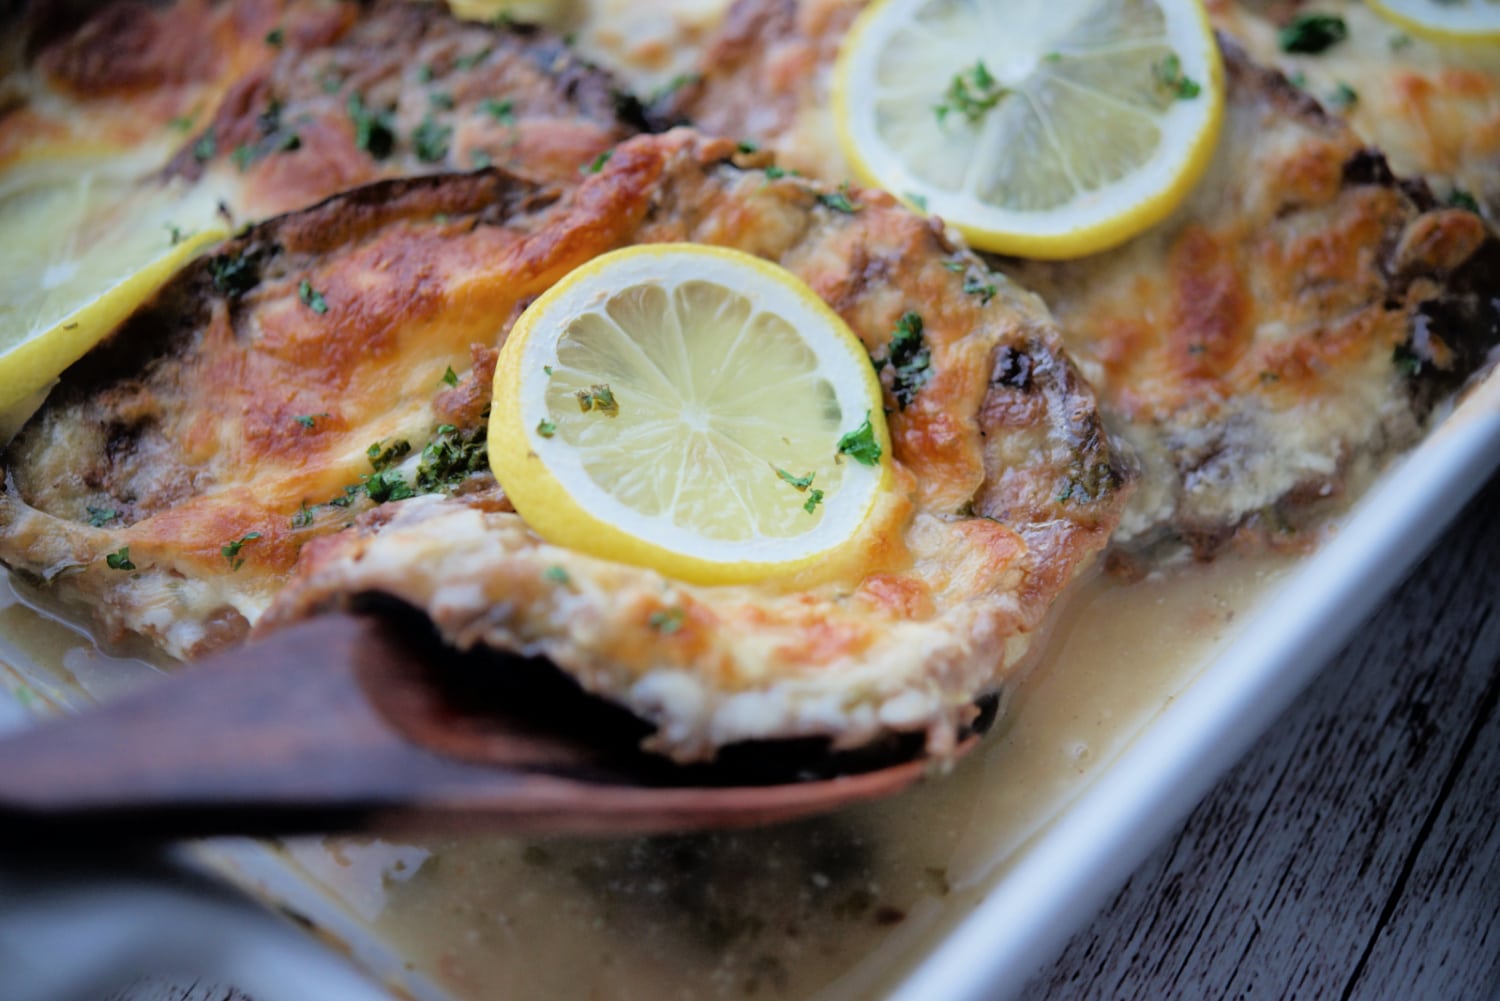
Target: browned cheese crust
[1287, 327]
[1433, 108]
[125, 74]
[186, 423]
[407, 90]
[1289, 324]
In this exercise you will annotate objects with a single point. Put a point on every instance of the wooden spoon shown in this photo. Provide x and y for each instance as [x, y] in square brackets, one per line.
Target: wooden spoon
[359, 722]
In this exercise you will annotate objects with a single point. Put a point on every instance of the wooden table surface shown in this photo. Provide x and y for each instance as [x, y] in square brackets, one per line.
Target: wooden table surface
[1355, 853]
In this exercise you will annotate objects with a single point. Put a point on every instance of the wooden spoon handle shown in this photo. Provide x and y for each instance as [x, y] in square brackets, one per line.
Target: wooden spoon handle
[295, 733]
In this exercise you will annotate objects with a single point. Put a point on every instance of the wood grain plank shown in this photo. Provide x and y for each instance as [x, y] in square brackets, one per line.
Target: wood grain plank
[1353, 853]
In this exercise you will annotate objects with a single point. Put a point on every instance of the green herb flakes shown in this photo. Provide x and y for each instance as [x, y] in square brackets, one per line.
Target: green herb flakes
[101, 516]
[597, 164]
[546, 428]
[971, 93]
[556, 575]
[598, 397]
[276, 38]
[450, 377]
[977, 286]
[231, 552]
[503, 112]
[909, 359]
[1343, 97]
[1169, 76]
[119, 560]
[206, 146]
[800, 483]
[309, 421]
[430, 140]
[374, 131]
[839, 200]
[312, 298]
[860, 444]
[667, 621]
[814, 498]
[1312, 33]
[382, 456]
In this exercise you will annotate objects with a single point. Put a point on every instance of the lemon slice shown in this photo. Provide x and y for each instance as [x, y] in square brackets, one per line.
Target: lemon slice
[83, 247]
[1042, 128]
[691, 409]
[1444, 20]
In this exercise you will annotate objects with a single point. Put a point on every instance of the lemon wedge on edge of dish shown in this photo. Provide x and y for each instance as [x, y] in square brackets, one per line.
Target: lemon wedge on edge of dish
[85, 246]
[1040, 128]
[1444, 20]
[691, 409]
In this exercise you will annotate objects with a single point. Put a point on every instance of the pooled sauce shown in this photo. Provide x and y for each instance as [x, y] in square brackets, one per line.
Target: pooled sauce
[837, 907]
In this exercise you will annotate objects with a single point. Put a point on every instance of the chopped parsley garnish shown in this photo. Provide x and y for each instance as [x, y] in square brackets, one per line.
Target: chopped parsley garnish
[668, 621]
[101, 516]
[1343, 96]
[441, 99]
[503, 112]
[374, 131]
[388, 485]
[470, 61]
[480, 159]
[1461, 199]
[1169, 77]
[430, 140]
[597, 164]
[747, 146]
[275, 38]
[860, 444]
[174, 233]
[382, 455]
[309, 420]
[798, 482]
[242, 155]
[181, 123]
[972, 93]
[976, 286]
[304, 516]
[231, 552]
[234, 274]
[909, 359]
[556, 574]
[839, 200]
[288, 142]
[1407, 361]
[1312, 33]
[119, 560]
[450, 377]
[814, 498]
[451, 457]
[206, 146]
[312, 298]
[598, 397]
[546, 428]
[957, 267]
[775, 173]
[920, 201]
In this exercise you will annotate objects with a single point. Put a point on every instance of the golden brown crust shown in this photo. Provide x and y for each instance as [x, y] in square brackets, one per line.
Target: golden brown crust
[187, 423]
[1292, 321]
[437, 94]
[1278, 329]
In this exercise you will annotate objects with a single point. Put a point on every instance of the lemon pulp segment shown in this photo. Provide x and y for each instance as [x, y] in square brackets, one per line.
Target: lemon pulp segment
[1047, 128]
[682, 407]
[88, 246]
[1444, 20]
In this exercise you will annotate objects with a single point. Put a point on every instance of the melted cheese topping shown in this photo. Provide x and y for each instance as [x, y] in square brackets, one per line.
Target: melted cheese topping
[187, 422]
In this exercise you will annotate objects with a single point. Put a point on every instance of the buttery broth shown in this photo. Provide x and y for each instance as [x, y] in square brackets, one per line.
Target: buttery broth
[833, 908]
